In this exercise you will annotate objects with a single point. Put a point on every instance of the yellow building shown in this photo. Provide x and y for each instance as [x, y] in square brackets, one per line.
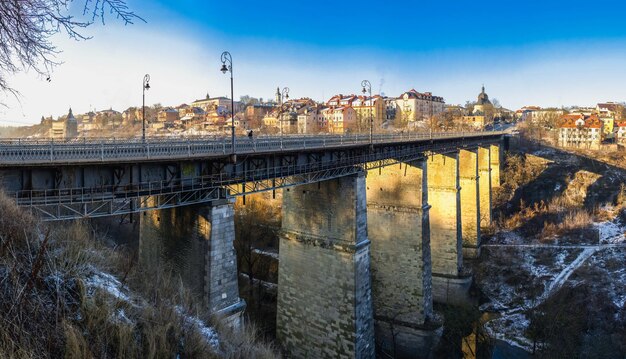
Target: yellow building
[608, 123]
[477, 122]
[271, 119]
[366, 108]
[340, 119]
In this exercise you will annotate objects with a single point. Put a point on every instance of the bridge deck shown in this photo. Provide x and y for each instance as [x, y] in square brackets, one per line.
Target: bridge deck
[19, 152]
[91, 178]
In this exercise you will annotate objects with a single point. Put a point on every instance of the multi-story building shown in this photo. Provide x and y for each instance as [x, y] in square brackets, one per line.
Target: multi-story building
[608, 124]
[476, 122]
[577, 131]
[221, 105]
[526, 113]
[369, 108]
[168, 115]
[608, 109]
[309, 120]
[620, 132]
[341, 100]
[341, 119]
[254, 113]
[64, 128]
[415, 106]
[391, 109]
[192, 116]
[547, 116]
[585, 111]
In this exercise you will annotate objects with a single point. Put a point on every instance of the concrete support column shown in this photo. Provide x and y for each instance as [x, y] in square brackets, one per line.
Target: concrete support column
[196, 242]
[470, 204]
[324, 279]
[496, 159]
[484, 184]
[450, 284]
[399, 230]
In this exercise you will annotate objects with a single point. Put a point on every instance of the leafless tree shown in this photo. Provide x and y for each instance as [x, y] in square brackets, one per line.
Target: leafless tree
[26, 28]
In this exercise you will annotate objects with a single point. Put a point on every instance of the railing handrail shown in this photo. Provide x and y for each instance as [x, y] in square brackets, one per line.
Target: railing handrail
[27, 151]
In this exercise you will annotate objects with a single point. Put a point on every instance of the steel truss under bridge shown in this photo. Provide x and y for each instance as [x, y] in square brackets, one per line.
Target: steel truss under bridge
[74, 203]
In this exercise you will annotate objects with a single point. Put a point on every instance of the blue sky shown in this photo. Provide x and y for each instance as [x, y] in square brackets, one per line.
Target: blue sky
[547, 53]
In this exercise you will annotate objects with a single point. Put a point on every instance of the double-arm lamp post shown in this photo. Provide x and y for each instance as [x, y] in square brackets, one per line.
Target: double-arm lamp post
[284, 94]
[367, 86]
[146, 86]
[227, 66]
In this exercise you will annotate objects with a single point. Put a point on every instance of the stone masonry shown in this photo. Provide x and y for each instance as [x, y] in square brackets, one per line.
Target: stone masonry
[450, 285]
[197, 243]
[445, 225]
[484, 173]
[470, 202]
[496, 160]
[399, 230]
[324, 286]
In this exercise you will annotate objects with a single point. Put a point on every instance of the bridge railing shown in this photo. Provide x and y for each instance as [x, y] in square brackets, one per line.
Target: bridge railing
[26, 151]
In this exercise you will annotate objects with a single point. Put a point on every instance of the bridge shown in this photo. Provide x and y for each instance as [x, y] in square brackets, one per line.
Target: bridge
[373, 230]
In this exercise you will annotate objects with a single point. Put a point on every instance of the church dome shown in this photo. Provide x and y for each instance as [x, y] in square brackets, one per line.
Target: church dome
[483, 98]
[70, 116]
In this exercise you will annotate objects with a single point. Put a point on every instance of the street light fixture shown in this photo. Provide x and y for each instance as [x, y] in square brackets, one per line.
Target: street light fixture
[284, 94]
[227, 66]
[367, 86]
[146, 86]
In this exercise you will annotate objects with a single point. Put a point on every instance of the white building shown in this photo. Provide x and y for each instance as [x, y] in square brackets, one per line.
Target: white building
[416, 106]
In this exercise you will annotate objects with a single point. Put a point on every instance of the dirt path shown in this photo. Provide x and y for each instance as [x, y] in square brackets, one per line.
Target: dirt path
[562, 277]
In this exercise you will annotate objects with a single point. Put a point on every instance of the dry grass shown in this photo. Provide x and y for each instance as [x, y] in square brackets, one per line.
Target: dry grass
[572, 222]
[560, 217]
[48, 309]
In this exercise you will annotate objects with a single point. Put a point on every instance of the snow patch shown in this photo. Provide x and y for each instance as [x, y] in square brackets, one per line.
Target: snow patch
[562, 277]
[108, 283]
[208, 332]
[611, 232]
[111, 285]
[264, 284]
[265, 253]
[511, 329]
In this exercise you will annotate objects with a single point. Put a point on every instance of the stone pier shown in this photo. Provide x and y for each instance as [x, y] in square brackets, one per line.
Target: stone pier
[496, 158]
[470, 202]
[196, 242]
[324, 286]
[450, 282]
[484, 172]
[399, 231]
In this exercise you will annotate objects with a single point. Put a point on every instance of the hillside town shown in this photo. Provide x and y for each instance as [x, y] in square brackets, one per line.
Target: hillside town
[580, 127]
[340, 114]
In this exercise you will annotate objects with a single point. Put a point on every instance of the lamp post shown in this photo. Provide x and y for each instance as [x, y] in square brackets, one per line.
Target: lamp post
[146, 86]
[284, 94]
[227, 58]
[367, 86]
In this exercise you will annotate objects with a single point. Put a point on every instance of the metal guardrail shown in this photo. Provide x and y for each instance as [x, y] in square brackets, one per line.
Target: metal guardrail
[31, 152]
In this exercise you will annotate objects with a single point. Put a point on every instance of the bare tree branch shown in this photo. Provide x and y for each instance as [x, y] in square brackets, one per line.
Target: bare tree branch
[26, 27]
